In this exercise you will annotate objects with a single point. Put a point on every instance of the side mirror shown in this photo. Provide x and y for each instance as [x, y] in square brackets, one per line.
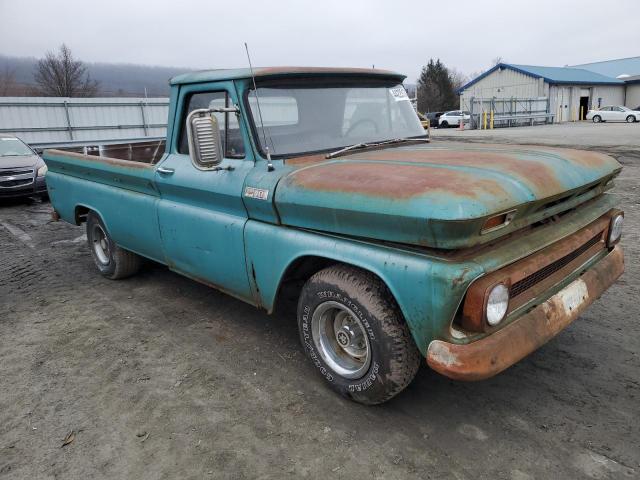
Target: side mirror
[203, 133]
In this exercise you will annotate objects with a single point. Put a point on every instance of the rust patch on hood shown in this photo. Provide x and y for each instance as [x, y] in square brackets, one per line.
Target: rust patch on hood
[307, 159]
[395, 181]
[585, 158]
[534, 173]
[543, 170]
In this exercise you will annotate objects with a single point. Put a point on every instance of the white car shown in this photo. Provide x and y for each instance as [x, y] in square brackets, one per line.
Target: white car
[453, 118]
[613, 114]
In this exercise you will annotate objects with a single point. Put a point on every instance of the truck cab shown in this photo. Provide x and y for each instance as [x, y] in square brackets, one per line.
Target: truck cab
[319, 184]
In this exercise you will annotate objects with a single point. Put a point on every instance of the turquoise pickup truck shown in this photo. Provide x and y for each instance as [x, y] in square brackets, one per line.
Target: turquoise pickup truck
[319, 184]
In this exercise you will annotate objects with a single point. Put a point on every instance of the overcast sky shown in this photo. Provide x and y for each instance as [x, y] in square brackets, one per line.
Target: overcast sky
[402, 36]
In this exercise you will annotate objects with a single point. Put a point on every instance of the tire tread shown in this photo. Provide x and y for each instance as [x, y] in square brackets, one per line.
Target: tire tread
[125, 263]
[371, 291]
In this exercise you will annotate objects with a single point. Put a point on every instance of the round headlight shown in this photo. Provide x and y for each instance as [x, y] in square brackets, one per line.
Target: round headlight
[615, 230]
[497, 304]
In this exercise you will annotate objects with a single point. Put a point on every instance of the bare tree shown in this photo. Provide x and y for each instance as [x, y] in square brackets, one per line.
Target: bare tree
[7, 81]
[497, 60]
[458, 79]
[61, 75]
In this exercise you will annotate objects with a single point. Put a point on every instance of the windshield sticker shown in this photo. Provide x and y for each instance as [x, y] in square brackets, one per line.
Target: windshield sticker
[257, 193]
[399, 93]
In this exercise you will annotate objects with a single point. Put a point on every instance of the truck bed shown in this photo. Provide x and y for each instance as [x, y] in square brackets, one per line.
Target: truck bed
[144, 152]
[136, 175]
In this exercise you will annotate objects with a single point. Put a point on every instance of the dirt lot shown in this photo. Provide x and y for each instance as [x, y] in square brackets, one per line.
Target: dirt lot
[160, 377]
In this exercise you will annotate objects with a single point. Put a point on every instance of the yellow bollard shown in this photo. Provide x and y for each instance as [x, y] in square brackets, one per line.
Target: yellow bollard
[484, 120]
[491, 124]
[581, 113]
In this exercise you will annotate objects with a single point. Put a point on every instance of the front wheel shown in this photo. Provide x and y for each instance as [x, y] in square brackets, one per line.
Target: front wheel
[112, 261]
[355, 335]
[444, 124]
[597, 119]
[631, 119]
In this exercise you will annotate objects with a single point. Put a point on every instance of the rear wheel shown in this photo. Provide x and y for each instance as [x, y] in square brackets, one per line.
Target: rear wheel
[597, 119]
[112, 261]
[631, 119]
[355, 335]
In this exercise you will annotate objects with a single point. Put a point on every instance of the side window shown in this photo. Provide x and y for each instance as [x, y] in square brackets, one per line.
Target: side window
[232, 144]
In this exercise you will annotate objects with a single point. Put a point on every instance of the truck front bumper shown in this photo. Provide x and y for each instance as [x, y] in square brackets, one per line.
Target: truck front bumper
[494, 353]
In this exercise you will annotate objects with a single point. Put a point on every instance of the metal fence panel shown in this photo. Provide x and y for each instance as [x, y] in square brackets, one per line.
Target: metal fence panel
[49, 120]
[508, 112]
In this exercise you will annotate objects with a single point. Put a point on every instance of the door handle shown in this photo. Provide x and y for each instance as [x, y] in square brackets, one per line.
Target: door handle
[165, 171]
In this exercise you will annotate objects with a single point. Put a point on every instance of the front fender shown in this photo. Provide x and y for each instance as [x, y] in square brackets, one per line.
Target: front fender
[427, 289]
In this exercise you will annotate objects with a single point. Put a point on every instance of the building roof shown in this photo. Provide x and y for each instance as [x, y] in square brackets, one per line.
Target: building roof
[238, 73]
[552, 75]
[632, 80]
[614, 68]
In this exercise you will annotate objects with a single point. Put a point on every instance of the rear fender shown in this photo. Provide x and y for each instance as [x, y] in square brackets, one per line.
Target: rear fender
[129, 216]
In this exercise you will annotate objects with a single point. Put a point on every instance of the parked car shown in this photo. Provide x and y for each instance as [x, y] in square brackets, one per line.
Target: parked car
[22, 171]
[453, 118]
[613, 113]
[433, 118]
[396, 251]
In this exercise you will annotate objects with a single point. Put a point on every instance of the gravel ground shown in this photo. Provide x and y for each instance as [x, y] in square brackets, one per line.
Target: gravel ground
[160, 377]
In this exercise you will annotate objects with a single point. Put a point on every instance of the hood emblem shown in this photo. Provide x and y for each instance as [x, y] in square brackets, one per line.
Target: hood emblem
[257, 193]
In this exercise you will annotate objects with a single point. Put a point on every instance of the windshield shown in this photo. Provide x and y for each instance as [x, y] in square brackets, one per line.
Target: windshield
[308, 118]
[12, 147]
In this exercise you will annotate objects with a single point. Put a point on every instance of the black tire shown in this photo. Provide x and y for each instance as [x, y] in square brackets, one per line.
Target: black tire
[631, 119]
[394, 358]
[444, 124]
[597, 119]
[112, 261]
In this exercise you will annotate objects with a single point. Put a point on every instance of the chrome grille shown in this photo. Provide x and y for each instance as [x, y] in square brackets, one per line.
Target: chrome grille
[16, 177]
[16, 171]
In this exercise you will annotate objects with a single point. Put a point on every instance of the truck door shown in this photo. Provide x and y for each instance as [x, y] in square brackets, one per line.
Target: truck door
[200, 212]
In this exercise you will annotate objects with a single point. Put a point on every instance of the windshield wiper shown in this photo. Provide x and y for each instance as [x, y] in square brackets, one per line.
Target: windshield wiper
[360, 145]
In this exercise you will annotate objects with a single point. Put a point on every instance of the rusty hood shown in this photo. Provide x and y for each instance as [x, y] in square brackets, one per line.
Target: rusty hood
[438, 196]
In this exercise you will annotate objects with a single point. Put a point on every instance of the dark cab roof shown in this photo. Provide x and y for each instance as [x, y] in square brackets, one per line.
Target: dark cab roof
[275, 72]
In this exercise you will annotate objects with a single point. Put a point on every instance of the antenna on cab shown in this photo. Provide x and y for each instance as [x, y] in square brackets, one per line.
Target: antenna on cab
[255, 89]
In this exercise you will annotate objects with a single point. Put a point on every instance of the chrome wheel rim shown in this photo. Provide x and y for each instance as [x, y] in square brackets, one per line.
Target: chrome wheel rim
[341, 340]
[100, 244]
